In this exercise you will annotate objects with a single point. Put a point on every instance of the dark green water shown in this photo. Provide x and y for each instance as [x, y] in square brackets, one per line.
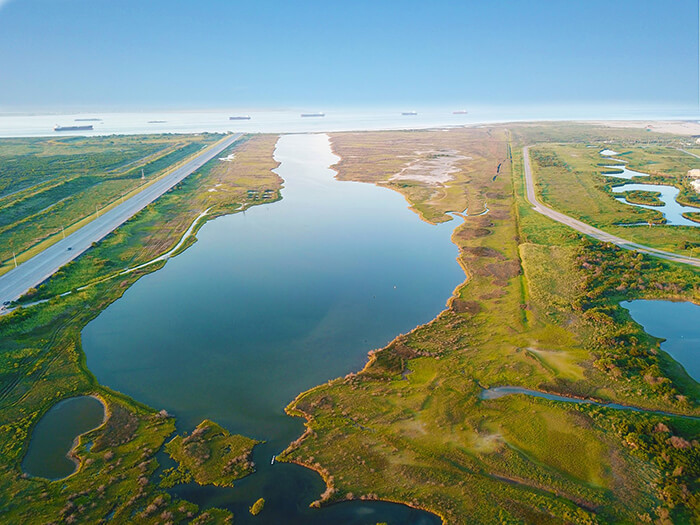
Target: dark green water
[54, 434]
[678, 323]
[270, 303]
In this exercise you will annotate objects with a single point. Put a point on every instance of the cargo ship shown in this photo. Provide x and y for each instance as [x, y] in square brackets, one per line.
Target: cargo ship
[460, 112]
[313, 114]
[409, 113]
[88, 120]
[73, 128]
[240, 117]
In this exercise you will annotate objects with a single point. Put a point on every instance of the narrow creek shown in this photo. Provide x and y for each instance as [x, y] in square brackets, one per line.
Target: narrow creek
[269, 303]
[501, 391]
[671, 209]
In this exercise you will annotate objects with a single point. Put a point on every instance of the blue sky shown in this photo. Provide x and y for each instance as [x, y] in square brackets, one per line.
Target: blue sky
[260, 53]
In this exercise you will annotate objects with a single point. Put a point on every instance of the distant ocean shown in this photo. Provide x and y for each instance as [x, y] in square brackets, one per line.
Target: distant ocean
[290, 121]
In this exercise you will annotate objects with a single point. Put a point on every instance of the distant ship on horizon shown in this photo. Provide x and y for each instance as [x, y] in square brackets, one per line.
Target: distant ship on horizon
[313, 114]
[409, 113]
[460, 112]
[88, 120]
[240, 117]
[72, 128]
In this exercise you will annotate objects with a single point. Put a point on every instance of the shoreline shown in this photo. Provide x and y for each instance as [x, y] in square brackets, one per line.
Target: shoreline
[290, 123]
[72, 452]
[293, 411]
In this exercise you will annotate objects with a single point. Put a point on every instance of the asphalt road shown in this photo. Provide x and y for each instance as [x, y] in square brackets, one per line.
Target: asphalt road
[689, 153]
[590, 230]
[36, 270]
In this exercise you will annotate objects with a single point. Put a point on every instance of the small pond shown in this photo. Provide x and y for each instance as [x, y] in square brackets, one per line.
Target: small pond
[678, 323]
[54, 436]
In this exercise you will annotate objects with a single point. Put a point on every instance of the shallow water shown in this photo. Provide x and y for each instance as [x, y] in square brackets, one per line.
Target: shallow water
[53, 437]
[678, 323]
[625, 174]
[671, 209]
[501, 391]
[270, 303]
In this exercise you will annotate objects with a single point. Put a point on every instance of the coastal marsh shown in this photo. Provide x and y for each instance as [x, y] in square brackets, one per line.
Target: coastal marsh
[573, 179]
[539, 309]
[414, 429]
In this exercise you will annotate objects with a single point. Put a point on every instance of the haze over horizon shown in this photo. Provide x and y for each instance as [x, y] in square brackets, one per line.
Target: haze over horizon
[79, 54]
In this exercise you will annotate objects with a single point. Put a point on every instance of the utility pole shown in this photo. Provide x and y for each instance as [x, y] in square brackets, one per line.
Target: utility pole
[14, 258]
[63, 232]
[97, 212]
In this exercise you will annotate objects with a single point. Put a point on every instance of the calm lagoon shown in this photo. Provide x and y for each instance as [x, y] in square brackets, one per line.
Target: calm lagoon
[269, 303]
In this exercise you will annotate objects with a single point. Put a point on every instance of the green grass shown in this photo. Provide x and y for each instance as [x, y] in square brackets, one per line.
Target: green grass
[650, 198]
[210, 455]
[570, 178]
[48, 186]
[411, 427]
[539, 309]
[257, 507]
[42, 362]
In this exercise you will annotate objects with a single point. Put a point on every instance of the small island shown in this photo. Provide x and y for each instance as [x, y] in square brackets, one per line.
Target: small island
[210, 455]
[692, 216]
[257, 507]
[647, 198]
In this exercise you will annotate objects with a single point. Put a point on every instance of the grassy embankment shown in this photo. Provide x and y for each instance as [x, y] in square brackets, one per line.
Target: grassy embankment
[571, 178]
[42, 361]
[51, 187]
[539, 309]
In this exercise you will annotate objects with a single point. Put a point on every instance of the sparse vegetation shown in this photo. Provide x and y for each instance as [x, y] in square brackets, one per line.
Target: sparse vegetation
[257, 507]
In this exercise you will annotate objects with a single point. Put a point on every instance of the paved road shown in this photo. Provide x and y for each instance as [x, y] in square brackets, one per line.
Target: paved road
[689, 153]
[590, 230]
[33, 272]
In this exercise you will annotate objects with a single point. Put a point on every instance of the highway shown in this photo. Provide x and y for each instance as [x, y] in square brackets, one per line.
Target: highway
[590, 230]
[36, 270]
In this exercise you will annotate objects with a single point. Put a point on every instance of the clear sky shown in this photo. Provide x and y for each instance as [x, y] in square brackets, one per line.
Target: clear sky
[261, 53]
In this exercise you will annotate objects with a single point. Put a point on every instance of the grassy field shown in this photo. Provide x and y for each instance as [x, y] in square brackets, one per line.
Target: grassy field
[573, 178]
[540, 309]
[42, 362]
[429, 185]
[49, 185]
[210, 455]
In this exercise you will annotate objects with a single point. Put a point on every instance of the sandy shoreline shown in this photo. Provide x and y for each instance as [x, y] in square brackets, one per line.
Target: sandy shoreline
[677, 127]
